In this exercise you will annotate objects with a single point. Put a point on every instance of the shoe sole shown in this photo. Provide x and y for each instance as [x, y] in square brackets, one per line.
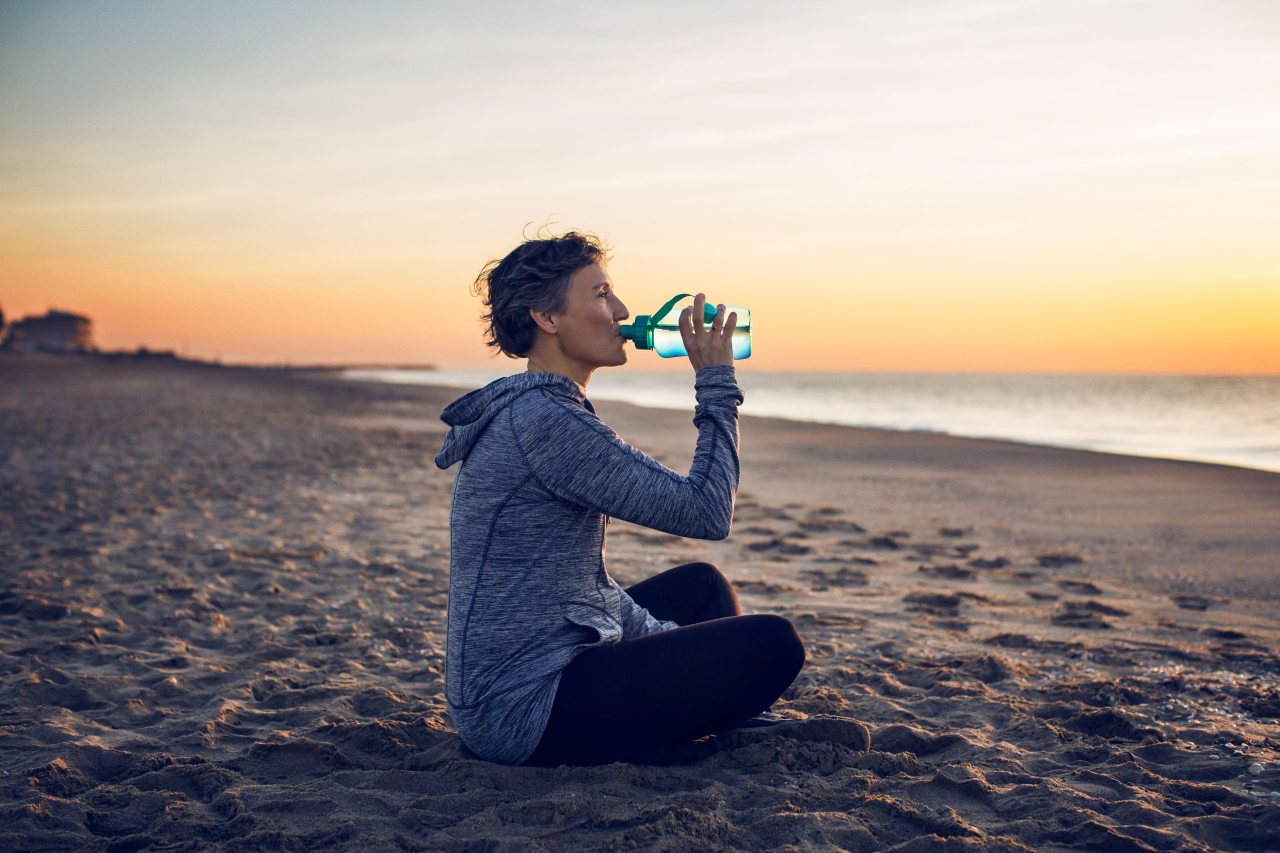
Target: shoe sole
[823, 729]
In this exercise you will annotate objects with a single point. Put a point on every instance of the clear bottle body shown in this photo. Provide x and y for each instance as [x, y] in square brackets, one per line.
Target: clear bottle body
[668, 343]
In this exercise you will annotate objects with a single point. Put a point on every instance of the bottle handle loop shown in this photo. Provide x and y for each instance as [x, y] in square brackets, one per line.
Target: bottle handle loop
[708, 310]
[641, 331]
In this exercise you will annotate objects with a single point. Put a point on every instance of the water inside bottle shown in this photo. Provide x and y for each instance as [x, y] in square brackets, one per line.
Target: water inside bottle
[668, 343]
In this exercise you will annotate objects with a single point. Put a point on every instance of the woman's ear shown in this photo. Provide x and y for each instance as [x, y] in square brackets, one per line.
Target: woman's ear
[545, 320]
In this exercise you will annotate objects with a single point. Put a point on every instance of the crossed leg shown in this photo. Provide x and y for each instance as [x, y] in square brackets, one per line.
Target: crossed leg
[622, 700]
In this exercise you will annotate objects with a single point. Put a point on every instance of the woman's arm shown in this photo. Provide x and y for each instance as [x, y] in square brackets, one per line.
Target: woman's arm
[578, 458]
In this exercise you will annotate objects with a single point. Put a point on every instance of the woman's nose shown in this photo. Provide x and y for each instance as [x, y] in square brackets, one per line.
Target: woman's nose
[620, 312]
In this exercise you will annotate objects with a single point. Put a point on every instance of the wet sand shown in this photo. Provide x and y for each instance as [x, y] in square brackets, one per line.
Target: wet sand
[222, 626]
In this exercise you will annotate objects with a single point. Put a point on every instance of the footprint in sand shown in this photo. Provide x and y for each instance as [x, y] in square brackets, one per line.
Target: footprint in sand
[1080, 587]
[1222, 634]
[952, 572]
[823, 580]
[837, 525]
[779, 546]
[1196, 602]
[1057, 561]
[1085, 614]
[762, 587]
[933, 603]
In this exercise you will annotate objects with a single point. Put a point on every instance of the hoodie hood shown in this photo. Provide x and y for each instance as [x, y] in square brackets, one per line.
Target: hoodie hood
[469, 415]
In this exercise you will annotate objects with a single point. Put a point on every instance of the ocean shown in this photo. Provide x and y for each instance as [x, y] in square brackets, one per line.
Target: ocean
[1234, 420]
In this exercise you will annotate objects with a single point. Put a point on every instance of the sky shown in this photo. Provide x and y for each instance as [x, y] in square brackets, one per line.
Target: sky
[917, 185]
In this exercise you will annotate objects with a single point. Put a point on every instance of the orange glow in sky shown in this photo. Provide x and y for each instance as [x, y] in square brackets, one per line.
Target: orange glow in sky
[927, 185]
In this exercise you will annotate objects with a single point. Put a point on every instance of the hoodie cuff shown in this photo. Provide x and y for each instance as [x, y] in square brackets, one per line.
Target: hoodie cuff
[717, 383]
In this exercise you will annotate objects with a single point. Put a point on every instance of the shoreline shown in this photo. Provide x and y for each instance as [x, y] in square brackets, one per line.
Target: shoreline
[339, 373]
[645, 389]
[223, 624]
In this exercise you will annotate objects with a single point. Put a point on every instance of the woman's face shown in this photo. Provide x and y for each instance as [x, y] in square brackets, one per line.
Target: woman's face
[589, 326]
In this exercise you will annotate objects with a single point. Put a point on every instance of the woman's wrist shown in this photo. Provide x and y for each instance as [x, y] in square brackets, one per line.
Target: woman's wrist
[717, 374]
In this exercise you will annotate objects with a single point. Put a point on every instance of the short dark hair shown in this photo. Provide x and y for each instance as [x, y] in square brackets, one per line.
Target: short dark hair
[534, 275]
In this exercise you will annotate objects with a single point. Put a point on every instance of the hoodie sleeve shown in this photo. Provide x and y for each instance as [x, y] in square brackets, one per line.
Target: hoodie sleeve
[636, 621]
[579, 459]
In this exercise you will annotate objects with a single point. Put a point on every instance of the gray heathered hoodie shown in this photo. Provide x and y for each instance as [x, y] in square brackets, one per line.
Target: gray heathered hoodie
[528, 588]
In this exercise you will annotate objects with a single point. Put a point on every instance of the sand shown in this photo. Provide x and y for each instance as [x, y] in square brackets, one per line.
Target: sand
[222, 626]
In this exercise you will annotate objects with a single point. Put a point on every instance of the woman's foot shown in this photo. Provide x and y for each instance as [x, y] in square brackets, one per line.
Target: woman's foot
[824, 728]
[762, 721]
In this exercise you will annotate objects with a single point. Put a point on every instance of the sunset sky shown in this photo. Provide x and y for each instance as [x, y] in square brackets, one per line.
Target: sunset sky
[930, 185]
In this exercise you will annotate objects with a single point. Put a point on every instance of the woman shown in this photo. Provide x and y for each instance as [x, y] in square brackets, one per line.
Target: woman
[549, 662]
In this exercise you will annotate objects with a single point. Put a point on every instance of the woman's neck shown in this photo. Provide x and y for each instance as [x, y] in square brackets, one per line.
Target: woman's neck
[540, 363]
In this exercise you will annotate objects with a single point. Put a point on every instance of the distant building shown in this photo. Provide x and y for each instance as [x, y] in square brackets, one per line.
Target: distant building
[56, 331]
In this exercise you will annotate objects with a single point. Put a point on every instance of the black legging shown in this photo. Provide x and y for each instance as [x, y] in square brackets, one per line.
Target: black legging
[621, 700]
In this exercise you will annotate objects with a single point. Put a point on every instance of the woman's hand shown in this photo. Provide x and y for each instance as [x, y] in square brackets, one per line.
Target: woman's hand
[712, 345]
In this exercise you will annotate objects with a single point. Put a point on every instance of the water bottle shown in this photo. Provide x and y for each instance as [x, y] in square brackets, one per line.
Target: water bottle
[662, 333]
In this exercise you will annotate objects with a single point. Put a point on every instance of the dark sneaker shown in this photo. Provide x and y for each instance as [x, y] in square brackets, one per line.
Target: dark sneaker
[762, 721]
[825, 728]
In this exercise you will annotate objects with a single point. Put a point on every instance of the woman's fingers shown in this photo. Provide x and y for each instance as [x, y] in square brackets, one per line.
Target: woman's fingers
[730, 323]
[724, 335]
[719, 340]
[707, 343]
[686, 327]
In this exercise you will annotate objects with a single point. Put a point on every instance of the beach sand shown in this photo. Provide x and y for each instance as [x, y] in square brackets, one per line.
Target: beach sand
[222, 628]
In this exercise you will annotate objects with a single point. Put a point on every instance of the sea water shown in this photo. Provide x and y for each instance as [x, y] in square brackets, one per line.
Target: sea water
[1228, 419]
